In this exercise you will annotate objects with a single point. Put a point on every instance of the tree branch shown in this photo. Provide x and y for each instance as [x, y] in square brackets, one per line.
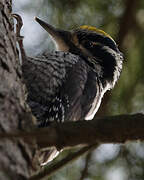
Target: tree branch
[113, 129]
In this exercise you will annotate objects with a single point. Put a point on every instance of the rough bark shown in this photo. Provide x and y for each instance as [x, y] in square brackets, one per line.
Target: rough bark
[15, 155]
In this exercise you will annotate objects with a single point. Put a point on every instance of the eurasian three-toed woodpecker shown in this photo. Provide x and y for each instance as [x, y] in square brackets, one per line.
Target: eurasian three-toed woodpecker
[68, 85]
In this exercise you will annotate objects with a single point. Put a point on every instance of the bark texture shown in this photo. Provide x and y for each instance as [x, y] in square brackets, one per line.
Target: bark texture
[15, 155]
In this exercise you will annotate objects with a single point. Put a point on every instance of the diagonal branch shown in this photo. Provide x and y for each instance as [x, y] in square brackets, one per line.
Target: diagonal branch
[51, 169]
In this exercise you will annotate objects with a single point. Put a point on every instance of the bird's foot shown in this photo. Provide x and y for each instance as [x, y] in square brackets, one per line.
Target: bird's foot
[18, 35]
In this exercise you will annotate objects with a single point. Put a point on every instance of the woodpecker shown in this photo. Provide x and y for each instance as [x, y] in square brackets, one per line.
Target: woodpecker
[68, 85]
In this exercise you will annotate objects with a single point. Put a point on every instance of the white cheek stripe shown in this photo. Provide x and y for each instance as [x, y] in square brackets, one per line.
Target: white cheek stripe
[96, 104]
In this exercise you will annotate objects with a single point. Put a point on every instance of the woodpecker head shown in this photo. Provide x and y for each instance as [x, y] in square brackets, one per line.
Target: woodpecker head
[90, 42]
[85, 38]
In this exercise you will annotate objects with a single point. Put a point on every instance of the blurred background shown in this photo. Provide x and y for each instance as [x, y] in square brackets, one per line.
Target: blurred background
[124, 21]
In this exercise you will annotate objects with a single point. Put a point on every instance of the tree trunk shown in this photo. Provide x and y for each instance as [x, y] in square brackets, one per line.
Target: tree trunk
[15, 155]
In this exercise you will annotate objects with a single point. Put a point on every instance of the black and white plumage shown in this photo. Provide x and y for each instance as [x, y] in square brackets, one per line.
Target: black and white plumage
[68, 85]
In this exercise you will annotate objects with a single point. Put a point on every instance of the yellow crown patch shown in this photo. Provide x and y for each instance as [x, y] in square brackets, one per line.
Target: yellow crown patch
[99, 31]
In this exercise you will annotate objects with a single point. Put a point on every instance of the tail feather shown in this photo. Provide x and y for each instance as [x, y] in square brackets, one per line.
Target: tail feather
[48, 155]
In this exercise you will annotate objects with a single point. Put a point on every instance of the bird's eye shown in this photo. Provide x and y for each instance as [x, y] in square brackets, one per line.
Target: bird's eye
[87, 44]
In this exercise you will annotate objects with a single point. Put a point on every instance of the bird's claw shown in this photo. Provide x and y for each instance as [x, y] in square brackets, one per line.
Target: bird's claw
[18, 36]
[18, 25]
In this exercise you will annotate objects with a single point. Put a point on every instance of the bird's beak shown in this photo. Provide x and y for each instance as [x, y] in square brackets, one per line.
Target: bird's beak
[60, 37]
